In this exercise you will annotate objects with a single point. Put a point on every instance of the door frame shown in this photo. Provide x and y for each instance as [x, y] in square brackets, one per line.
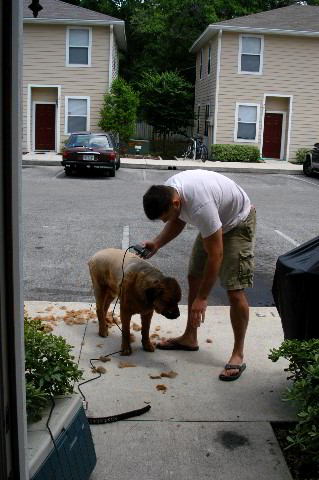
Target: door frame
[33, 124]
[283, 130]
[30, 142]
[290, 97]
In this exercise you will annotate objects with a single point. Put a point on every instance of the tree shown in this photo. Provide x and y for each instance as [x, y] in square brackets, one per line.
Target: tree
[118, 114]
[166, 102]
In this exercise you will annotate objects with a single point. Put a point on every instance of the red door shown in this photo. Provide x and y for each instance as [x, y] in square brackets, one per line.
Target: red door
[272, 135]
[45, 126]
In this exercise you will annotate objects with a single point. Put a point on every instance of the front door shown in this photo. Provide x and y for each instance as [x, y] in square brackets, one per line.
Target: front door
[272, 135]
[44, 126]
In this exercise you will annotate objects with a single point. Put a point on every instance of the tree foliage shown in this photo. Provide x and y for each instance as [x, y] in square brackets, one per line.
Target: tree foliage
[166, 102]
[118, 114]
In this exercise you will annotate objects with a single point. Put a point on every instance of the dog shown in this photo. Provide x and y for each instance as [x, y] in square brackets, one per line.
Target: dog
[143, 290]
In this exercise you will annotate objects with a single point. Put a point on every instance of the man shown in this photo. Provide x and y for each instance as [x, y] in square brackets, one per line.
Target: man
[224, 247]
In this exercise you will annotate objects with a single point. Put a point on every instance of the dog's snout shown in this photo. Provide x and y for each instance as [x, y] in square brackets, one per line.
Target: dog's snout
[171, 314]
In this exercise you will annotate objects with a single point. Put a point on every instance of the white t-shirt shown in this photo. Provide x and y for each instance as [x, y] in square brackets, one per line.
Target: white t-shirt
[210, 201]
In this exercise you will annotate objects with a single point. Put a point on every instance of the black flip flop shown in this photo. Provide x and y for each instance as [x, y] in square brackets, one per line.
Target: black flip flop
[176, 346]
[231, 378]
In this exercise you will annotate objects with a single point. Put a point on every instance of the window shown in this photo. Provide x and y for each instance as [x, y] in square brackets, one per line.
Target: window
[247, 119]
[78, 47]
[198, 118]
[209, 63]
[250, 59]
[77, 114]
[201, 64]
[207, 110]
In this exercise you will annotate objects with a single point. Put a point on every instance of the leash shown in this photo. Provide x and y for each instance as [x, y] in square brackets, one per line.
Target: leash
[120, 416]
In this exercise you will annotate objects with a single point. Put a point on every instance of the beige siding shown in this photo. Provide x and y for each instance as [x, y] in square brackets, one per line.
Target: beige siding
[44, 63]
[205, 87]
[290, 67]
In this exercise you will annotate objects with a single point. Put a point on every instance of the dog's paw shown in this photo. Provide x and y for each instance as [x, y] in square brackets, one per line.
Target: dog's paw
[148, 346]
[126, 350]
[103, 332]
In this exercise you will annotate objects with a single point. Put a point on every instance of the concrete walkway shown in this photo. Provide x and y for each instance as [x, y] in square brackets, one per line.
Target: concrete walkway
[269, 166]
[198, 426]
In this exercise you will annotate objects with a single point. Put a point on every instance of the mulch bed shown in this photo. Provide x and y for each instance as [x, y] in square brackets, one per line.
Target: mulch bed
[143, 157]
[299, 469]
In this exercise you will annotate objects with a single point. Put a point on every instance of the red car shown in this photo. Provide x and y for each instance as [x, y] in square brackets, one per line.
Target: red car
[91, 151]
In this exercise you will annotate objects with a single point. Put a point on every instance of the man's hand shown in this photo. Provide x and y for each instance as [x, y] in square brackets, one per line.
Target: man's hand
[198, 312]
[152, 247]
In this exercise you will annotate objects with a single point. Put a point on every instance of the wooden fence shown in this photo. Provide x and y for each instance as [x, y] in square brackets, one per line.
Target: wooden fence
[144, 131]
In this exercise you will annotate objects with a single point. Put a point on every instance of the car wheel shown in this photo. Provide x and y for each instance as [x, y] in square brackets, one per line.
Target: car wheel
[307, 170]
[112, 172]
[68, 172]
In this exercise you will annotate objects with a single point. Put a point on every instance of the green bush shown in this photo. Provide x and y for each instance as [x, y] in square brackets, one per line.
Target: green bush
[49, 367]
[118, 114]
[301, 154]
[235, 153]
[303, 357]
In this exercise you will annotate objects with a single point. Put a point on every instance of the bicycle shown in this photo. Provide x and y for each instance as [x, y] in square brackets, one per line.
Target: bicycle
[197, 146]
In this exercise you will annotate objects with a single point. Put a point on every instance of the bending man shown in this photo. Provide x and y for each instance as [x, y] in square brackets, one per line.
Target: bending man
[224, 247]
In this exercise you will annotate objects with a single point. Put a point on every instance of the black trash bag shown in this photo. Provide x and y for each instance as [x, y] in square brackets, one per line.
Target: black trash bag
[296, 291]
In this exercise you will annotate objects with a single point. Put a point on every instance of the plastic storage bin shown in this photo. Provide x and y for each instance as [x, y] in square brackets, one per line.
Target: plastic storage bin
[74, 456]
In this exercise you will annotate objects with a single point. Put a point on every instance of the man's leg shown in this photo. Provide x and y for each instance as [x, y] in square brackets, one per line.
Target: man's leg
[189, 337]
[239, 316]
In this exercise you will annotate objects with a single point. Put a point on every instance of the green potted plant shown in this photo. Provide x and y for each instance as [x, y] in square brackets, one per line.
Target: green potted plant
[49, 367]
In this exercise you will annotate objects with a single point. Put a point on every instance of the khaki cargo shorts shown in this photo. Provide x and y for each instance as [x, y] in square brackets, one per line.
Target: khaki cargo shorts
[238, 264]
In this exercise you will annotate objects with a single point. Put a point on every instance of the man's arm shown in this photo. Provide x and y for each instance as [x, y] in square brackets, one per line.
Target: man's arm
[214, 247]
[171, 230]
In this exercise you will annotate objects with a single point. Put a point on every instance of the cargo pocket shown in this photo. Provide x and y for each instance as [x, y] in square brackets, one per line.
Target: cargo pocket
[246, 267]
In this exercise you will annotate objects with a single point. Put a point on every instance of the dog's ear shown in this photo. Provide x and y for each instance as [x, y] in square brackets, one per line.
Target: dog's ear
[152, 292]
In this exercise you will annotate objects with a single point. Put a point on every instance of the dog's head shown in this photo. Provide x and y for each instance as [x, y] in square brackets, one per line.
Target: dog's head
[164, 296]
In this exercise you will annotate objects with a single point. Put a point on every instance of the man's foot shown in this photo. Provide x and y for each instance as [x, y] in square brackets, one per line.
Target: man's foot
[239, 367]
[178, 343]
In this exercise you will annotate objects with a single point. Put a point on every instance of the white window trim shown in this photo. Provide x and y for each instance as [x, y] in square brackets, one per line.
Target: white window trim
[206, 118]
[242, 104]
[242, 72]
[29, 106]
[36, 102]
[201, 62]
[87, 113]
[198, 118]
[209, 60]
[80, 65]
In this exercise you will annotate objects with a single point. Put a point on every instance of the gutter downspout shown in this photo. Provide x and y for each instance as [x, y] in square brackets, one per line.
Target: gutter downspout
[217, 84]
[110, 59]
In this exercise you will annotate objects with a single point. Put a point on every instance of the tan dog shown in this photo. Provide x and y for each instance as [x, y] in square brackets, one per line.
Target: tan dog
[144, 289]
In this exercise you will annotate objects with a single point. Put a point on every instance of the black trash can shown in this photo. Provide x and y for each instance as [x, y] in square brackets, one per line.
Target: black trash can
[296, 291]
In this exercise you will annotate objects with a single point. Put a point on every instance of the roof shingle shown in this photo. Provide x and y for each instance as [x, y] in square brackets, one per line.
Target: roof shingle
[294, 17]
[56, 9]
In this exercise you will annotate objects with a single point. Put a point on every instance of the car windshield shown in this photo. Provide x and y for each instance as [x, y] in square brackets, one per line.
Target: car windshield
[99, 142]
[90, 141]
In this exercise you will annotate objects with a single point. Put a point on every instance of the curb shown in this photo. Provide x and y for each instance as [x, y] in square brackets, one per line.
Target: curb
[45, 163]
[216, 168]
[180, 167]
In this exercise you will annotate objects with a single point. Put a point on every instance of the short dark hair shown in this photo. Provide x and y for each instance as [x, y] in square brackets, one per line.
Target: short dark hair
[157, 200]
